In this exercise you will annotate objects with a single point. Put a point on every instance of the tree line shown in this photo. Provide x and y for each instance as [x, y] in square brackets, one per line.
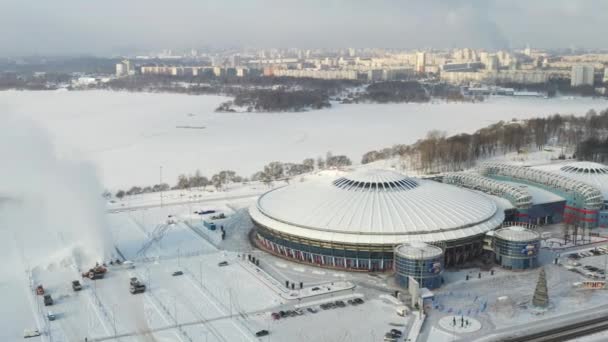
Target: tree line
[439, 153]
[274, 171]
[277, 100]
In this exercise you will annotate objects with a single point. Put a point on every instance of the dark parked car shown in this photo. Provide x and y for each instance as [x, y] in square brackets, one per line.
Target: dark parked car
[76, 286]
[48, 300]
[223, 263]
[358, 300]
[396, 333]
[177, 273]
[262, 333]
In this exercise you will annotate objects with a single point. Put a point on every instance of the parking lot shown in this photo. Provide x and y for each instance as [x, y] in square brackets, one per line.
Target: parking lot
[590, 263]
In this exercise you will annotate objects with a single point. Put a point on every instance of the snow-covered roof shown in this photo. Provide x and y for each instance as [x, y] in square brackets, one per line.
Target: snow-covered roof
[592, 196]
[378, 207]
[516, 233]
[539, 195]
[594, 174]
[518, 196]
[418, 250]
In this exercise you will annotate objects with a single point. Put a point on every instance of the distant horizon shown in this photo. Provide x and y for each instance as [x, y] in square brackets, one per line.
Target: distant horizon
[183, 52]
[68, 27]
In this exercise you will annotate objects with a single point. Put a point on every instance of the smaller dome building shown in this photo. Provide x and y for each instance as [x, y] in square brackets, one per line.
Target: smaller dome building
[516, 247]
[420, 261]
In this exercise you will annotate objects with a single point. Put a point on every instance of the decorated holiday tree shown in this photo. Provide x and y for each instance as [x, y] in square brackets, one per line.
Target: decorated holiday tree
[541, 295]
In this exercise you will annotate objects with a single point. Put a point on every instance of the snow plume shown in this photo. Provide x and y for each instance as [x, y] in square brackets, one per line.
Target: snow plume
[51, 206]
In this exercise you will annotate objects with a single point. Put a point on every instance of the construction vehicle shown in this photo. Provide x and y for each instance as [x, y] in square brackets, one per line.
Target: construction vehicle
[39, 290]
[135, 286]
[97, 272]
[76, 286]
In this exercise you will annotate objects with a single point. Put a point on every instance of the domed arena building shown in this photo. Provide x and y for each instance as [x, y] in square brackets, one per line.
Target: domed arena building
[355, 221]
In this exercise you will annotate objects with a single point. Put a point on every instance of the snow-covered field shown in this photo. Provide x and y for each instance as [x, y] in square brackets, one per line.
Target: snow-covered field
[130, 135]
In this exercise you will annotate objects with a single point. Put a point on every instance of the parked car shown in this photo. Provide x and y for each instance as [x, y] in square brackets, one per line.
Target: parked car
[358, 300]
[177, 273]
[27, 333]
[396, 333]
[299, 312]
[340, 304]
[76, 286]
[388, 337]
[311, 310]
[51, 316]
[48, 300]
[276, 315]
[261, 333]
[223, 263]
[315, 289]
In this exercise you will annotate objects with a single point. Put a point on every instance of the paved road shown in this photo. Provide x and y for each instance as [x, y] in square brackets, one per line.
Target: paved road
[548, 324]
[169, 204]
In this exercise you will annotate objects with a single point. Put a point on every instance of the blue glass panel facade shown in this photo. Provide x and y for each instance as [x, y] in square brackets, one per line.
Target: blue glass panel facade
[517, 255]
[427, 272]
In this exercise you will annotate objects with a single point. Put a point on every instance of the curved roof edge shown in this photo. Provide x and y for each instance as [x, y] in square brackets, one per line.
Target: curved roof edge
[519, 197]
[363, 238]
[592, 196]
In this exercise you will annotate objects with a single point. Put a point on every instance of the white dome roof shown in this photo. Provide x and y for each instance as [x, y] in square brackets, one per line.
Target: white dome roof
[594, 174]
[516, 233]
[418, 250]
[376, 206]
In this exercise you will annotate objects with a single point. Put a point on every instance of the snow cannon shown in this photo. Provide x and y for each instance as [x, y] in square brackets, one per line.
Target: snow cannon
[97, 272]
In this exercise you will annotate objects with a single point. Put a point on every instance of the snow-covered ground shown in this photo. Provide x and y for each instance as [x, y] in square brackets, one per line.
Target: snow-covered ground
[130, 135]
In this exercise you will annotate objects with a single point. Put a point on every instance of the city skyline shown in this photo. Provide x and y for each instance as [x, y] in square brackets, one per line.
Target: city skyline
[67, 27]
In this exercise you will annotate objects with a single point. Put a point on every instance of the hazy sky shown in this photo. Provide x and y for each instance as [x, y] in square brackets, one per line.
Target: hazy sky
[120, 26]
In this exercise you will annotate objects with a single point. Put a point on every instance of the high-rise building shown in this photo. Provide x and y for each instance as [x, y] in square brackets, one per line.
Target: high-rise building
[605, 80]
[581, 75]
[120, 70]
[123, 68]
[492, 63]
[235, 60]
[420, 62]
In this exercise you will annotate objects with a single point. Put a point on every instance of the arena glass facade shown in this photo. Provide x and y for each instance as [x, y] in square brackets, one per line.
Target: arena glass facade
[374, 258]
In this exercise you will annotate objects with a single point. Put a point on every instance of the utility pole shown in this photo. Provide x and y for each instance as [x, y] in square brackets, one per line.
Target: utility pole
[161, 184]
[175, 309]
[230, 299]
[605, 269]
[114, 318]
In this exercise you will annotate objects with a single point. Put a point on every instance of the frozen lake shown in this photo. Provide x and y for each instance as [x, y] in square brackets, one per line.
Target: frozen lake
[130, 135]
